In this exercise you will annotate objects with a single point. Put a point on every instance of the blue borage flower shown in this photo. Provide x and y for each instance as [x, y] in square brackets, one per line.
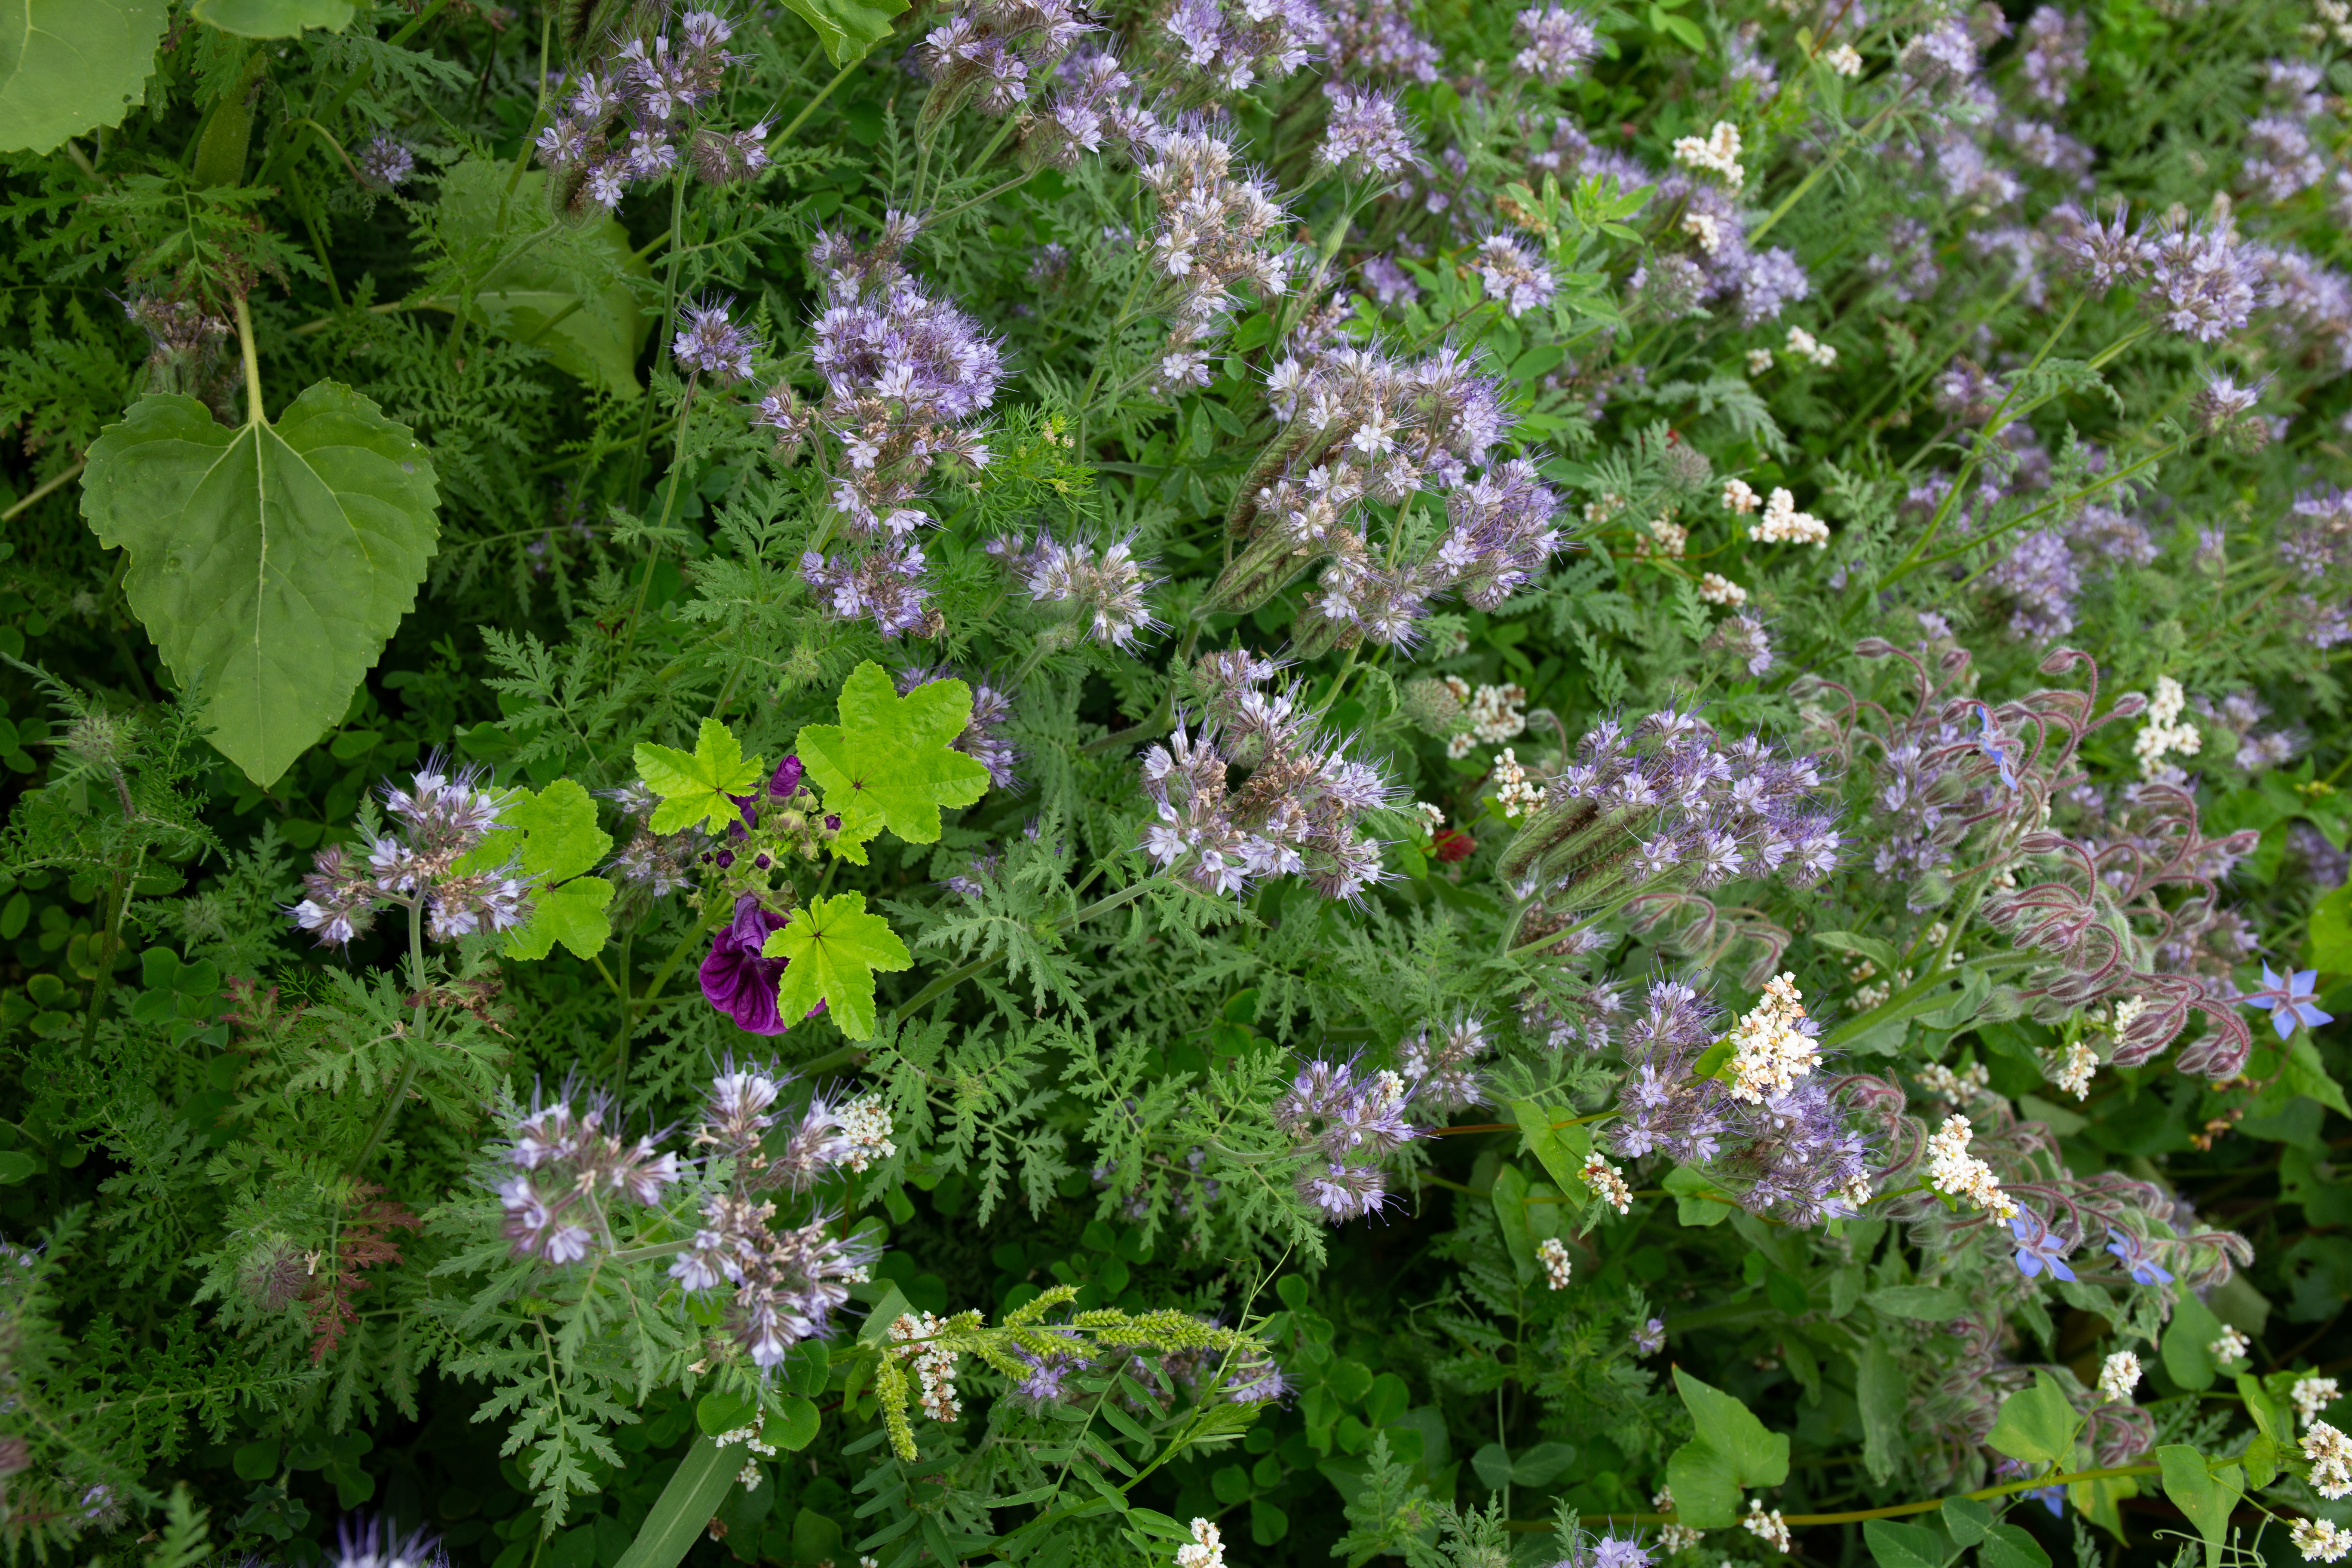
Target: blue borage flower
[2289, 998]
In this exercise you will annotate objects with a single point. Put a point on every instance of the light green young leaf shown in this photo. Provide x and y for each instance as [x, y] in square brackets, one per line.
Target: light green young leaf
[1732, 1453]
[2206, 1498]
[70, 65]
[887, 762]
[834, 947]
[567, 293]
[2036, 1424]
[273, 18]
[272, 562]
[554, 835]
[2188, 1340]
[847, 28]
[694, 786]
[1894, 1545]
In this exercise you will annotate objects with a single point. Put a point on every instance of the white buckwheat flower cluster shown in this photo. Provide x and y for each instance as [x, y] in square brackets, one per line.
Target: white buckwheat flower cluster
[934, 1364]
[1845, 59]
[1782, 523]
[2311, 1395]
[1513, 792]
[1553, 1255]
[1952, 1169]
[1807, 347]
[1717, 153]
[1718, 589]
[2320, 1540]
[1767, 1525]
[2330, 1453]
[1773, 1045]
[2164, 734]
[1205, 1549]
[2073, 1072]
[1607, 1182]
[1738, 499]
[865, 1123]
[2119, 1376]
[2231, 1346]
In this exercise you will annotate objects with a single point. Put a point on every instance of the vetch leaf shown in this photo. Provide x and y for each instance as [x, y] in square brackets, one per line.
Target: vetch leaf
[847, 28]
[273, 18]
[887, 762]
[70, 65]
[835, 947]
[2009, 1546]
[271, 561]
[695, 785]
[1894, 1545]
[1966, 1518]
[2038, 1424]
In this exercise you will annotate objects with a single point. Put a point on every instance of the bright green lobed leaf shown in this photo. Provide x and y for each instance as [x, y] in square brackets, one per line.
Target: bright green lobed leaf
[272, 563]
[834, 947]
[695, 785]
[70, 65]
[887, 762]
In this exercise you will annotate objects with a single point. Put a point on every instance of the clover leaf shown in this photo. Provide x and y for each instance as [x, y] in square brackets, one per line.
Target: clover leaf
[887, 764]
[834, 947]
[694, 786]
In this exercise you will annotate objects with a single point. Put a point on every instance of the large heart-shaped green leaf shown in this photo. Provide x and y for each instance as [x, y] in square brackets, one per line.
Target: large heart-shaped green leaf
[563, 292]
[271, 561]
[274, 18]
[68, 66]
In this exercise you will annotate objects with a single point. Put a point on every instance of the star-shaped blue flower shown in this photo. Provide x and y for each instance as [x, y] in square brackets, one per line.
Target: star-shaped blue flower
[2289, 999]
[2137, 1260]
[2037, 1250]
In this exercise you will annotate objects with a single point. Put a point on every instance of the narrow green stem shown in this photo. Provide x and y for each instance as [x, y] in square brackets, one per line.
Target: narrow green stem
[391, 1104]
[252, 365]
[823, 93]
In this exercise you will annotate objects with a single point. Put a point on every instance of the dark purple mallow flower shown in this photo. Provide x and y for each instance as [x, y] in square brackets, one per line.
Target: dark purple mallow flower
[738, 981]
[782, 784]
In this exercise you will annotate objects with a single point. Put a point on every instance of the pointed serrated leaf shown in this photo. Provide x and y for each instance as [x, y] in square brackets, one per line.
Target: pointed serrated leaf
[887, 764]
[274, 18]
[272, 562]
[847, 28]
[835, 947]
[70, 65]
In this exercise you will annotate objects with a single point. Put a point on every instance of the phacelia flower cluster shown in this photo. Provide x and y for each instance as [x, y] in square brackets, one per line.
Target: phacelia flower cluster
[1362, 427]
[427, 864]
[1102, 585]
[1294, 814]
[1663, 805]
[636, 117]
[569, 1170]
[907, 379]
[1218, 229]
[788, 1282]
[1790, 1152]
[1346, 1122]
